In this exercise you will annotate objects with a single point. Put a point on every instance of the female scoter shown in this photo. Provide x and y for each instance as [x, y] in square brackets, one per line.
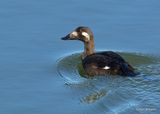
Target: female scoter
[101, 63]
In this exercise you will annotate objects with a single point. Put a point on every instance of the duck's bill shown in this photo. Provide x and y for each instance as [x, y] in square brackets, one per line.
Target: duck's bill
[66, 37]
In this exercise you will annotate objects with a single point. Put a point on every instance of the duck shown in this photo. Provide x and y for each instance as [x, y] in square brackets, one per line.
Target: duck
[101, 63]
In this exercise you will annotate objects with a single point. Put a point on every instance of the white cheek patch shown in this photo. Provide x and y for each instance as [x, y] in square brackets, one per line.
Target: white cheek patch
[106, 67]
[86, 35]
[74, 33]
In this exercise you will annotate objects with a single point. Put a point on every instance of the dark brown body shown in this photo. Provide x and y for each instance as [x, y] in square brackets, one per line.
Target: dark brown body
[94, 64]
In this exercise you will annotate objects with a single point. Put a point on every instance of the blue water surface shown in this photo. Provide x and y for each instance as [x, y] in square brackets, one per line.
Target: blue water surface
[30, 47]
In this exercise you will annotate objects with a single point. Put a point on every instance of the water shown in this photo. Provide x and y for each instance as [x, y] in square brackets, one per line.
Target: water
[32, 78]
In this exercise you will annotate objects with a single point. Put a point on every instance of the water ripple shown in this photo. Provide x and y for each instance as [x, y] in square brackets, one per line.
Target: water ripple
[116, 94]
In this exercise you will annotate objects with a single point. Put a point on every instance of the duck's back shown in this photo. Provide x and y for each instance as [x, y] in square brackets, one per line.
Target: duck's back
[107, 62]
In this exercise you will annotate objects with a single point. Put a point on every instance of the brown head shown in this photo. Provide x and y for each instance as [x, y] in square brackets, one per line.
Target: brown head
[83, 34]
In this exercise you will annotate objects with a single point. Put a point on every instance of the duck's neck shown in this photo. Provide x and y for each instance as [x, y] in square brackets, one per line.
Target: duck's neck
[88, 48]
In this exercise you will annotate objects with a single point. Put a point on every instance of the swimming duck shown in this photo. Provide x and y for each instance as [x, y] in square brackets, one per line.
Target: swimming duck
[100, 63]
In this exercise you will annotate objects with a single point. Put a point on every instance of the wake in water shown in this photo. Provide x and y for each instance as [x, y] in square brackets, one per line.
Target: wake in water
[114, 92]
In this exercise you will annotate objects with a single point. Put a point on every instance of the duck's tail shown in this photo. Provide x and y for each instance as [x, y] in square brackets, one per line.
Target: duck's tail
[128, 70]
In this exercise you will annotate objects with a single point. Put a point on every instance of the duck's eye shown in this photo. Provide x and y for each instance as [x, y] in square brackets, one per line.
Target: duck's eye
[74, 34]
[86, 35]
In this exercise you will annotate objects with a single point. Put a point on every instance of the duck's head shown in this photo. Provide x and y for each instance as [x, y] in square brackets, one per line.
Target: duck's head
[80, 33]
